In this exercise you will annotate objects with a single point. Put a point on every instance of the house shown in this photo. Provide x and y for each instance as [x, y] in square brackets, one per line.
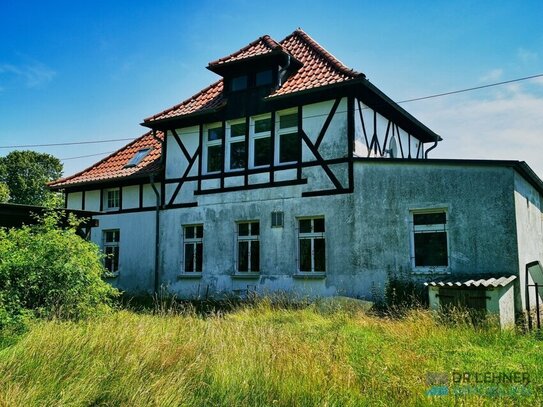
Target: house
[294, 173]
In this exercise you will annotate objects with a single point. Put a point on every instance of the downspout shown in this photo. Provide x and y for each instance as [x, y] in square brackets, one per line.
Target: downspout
[157, 235]
[430, 149]
[283, 71]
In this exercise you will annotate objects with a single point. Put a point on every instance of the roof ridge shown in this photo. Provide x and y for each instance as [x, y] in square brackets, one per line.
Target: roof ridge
[336, 63]
[177, 106]
[77, 174]
[265, 39]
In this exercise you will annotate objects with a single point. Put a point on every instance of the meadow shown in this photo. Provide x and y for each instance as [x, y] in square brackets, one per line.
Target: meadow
[266, 355]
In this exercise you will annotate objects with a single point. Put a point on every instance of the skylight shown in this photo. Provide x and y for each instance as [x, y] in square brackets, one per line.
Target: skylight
[136, 159]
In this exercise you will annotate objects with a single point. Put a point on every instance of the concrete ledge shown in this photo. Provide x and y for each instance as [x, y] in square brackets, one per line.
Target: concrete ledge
[111, 275]
[309, 276]
[246, 276]
[189, 276]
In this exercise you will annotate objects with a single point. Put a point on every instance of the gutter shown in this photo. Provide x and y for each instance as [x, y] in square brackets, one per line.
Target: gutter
[157, 236]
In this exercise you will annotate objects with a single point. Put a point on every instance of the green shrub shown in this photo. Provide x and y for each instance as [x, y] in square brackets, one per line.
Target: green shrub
[48, 271]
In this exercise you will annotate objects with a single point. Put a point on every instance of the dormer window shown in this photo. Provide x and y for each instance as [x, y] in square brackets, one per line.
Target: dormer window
[138, 157]
[238, 83]
[264, 78]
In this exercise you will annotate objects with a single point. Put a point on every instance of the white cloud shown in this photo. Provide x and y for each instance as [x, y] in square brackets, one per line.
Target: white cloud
[492, 76]
[526, 56]
[34, 74]
[507, 125]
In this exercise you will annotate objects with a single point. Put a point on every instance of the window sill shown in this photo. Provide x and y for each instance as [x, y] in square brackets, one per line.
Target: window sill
[109, 274]
[245, 276]
[430, 270]
[189, 276]
[310, 275]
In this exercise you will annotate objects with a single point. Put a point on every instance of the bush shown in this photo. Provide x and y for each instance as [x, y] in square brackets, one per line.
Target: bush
[48, 271]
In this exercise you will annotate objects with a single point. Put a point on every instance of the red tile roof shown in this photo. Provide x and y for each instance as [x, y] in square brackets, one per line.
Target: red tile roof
[262, 45]
[320, 68]
[113, 166]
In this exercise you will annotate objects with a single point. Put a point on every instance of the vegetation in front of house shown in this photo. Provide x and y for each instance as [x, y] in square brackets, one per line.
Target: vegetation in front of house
[262, 354]
[47, 271]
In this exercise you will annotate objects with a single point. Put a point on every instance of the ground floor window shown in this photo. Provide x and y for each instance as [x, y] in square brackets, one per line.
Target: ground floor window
[311, 245]
[248, 247]
[193, 248]
[429, 239]
[111, 239]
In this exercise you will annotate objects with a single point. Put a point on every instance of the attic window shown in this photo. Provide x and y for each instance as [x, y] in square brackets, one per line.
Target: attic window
[239, 83]
[138, 157]
[264, 77]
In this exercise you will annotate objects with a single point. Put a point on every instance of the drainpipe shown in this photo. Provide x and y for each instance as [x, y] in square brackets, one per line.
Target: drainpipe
[430, 149]
[157, 234]
[283, 71]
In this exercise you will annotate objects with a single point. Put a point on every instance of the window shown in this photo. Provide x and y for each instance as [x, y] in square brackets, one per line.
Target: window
[193, 248]
[238, 83]
[264, 77]
[311, 245]
[260, 142]
[430, 242]
[213, 150]
[113, 199]
[136, 159]
[111, 240]
[277, 219]
[248, 247]
[235, 148]
[288, 140]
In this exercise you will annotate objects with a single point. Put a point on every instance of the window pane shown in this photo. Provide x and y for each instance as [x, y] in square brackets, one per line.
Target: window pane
[289, 147]
[255, 256]
[108, 261]
[262, 125]
[189, 232]
[199, 231]
[243, 256]
[189, 257]
[199, 256]
[112, 236]
[239, 83]
[264, 77]
[255, 229]
[237, 155]
[305, 225]
[214, 158]
[263, 151]
[431, 249]
[237, 130]
[318, 225]
[288, 120]
[243, 229]
[430, 218]
[214, 134]
[320, 255]
[305, 254]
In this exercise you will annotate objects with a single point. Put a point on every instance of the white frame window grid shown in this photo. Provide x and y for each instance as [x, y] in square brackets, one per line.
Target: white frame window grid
[253, 136]
[113, 202]
[210, 143]
[279, 132]
[112, 244]
[232, 140]
[432, 228]
[250, 238]
[312, 236]
[194, 242]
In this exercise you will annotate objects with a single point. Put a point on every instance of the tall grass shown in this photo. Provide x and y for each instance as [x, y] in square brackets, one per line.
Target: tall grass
[257, 355]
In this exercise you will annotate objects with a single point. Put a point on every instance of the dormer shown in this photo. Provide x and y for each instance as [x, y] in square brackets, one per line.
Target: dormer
[259, 68]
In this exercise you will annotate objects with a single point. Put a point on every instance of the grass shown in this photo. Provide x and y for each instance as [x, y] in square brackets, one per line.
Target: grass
[258, 355]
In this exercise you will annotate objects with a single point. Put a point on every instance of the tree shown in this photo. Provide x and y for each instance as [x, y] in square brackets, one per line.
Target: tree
[4, 192]
[26, 174]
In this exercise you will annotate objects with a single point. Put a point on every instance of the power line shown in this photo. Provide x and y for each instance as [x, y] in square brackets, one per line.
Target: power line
[307, 117]
[85, 156]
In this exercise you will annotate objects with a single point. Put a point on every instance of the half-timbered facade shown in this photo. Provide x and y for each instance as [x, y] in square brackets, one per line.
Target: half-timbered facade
[295, 173]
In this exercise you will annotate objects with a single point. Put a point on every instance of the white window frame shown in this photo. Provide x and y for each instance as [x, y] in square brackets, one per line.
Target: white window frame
[253, 136]
[208, 143]
[249, 239]
[106, 244]
[414, 229]
[231, 140]
[118, 199]
[192, 241]
[312, 236]
[279, 132]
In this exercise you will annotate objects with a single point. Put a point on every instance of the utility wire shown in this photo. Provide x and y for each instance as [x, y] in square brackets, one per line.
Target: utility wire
[85, 156]
[307, 117]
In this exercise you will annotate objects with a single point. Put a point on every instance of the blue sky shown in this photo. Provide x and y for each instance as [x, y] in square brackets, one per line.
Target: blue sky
[75, 71]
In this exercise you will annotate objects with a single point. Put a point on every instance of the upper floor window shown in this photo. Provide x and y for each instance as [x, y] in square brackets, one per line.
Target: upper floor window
[113, 199]
[238, 83]
[264, 77]
[260, 142]
[311, 245]
[429, 239]
[213, 148]
[288, 140]
[235, 147]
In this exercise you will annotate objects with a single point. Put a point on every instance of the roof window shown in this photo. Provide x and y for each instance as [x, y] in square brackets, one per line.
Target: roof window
[138, 157]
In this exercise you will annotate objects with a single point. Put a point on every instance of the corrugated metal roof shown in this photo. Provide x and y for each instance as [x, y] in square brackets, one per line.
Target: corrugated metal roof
[472, 281]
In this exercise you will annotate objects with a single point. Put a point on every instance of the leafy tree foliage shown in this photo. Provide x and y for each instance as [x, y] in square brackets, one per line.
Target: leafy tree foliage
[26, 174]
[4, 192]
[48, 271]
